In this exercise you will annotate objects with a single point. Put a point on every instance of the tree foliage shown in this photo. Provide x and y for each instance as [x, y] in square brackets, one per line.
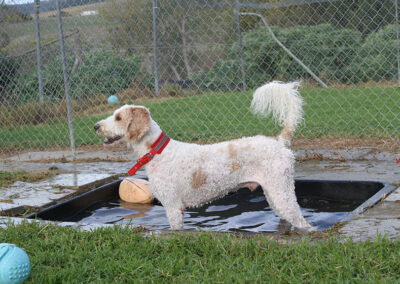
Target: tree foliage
[326, 50]
[101, 72]
[189, 34]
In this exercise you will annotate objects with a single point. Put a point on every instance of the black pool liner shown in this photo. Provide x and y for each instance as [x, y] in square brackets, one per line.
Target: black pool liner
[323, 202]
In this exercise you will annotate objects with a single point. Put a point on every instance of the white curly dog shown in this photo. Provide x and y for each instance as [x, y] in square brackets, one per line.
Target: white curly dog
[188, 175]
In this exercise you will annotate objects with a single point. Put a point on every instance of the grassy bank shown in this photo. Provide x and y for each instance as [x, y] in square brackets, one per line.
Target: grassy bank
[115, 255]
[7, 178]
[346, 113]
[22, 35]
[48, 135]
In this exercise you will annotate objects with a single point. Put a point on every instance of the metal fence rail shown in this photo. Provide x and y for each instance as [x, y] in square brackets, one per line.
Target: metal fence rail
[194, 64]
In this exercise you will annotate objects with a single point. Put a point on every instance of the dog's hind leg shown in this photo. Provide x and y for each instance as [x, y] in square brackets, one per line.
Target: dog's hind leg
[282, 199]
[279, 191]
[175, 217]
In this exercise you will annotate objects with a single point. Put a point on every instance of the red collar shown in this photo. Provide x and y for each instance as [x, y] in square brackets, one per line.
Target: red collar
[156, 148]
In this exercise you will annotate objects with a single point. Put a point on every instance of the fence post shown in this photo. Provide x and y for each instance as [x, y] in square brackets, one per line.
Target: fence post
[156, 86]
[396, 5]
[77, 51]
[244, 86]
[66, 83]
[38, 50]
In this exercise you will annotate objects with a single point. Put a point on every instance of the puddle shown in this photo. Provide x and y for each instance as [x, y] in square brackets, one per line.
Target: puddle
[243, 211]
[47, 191]
[30, 194]
[349, 170]
[75, 179]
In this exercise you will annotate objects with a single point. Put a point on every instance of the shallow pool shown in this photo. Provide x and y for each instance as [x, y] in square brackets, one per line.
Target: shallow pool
[323, 203]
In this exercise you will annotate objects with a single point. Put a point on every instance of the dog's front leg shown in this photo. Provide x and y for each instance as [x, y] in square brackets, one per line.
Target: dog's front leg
[175, 217]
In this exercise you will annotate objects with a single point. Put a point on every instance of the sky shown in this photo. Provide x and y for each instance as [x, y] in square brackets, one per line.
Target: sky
[13, 2]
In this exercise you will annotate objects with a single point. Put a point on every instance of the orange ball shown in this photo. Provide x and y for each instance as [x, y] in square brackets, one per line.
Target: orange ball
[135, 191]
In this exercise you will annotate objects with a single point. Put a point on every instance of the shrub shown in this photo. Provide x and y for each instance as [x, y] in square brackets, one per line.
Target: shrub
[105, 73]
[8, 68]
[4, 39]
[26, 86]
[223, 76]
[188, 36]
[10, 15]
[102, 72]
[377, 58]
[326, 50]
[31, 113]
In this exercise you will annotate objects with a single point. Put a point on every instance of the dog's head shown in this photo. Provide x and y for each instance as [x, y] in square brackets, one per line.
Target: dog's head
[129, 123]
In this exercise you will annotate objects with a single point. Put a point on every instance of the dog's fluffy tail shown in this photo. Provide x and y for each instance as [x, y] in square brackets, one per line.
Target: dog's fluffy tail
[283, 100]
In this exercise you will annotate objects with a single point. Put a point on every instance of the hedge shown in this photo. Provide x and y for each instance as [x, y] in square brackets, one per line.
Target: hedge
[8, 69]
[102, 72]
[335, 55]
[377, 57]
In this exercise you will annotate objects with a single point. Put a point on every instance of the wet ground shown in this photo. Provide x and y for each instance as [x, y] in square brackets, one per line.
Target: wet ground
[96, 167]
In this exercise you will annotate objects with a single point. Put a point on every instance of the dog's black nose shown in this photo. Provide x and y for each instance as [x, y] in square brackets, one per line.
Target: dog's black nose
[96, 127]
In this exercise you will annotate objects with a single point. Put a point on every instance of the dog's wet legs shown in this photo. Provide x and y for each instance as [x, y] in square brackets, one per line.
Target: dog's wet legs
[175, 217]
[281, 197]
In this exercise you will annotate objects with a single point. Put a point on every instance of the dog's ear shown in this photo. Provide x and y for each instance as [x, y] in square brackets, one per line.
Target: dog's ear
[139, 123]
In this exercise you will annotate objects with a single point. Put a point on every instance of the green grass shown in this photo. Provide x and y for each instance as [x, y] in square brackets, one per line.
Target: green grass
[348, 113]
[355, 112]
[7, 178]
[54, 134]
[22, 35]
[115, 255]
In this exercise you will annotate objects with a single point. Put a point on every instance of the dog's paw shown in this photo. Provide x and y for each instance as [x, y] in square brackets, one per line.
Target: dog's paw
[306, 230]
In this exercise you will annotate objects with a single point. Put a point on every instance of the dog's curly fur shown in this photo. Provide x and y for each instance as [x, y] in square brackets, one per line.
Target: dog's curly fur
[187, 175]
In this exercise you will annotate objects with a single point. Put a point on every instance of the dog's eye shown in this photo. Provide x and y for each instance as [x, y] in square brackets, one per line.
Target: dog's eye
[118, 118]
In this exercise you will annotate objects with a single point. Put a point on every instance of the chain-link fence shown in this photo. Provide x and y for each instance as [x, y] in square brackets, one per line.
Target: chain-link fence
[195, 64]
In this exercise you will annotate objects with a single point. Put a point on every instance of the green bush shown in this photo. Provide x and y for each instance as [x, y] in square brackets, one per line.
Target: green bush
[11, 15]
[377, 58]
[102, 72]
[106, 73]
[326, 50]
[26, 86]
[8, 68]
[223, 76]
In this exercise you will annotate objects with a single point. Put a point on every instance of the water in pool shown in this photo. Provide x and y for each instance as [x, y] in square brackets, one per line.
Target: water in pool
[242, 211]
